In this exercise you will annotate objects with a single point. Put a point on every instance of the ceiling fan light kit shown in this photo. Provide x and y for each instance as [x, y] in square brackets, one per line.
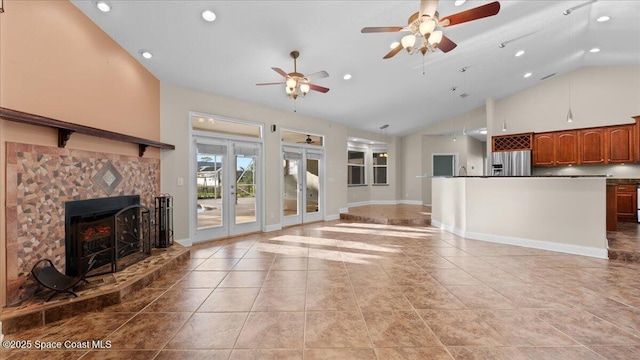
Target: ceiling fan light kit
[423, 25]
[297, 84]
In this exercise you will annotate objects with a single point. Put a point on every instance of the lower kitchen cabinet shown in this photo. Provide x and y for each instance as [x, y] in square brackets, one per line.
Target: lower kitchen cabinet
[627, 203]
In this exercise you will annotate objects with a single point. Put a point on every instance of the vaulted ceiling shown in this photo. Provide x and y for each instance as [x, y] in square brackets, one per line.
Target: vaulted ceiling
[231, 54]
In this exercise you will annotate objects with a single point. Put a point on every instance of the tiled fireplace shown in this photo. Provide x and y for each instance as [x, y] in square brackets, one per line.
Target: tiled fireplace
[40, 180]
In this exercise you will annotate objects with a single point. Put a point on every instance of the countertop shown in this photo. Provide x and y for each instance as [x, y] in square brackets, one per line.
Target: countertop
[623, 181]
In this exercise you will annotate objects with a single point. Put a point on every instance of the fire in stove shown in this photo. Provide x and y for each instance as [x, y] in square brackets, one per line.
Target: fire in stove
[94, 231]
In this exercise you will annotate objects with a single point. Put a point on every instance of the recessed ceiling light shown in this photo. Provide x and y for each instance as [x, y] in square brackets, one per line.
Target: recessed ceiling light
[459, 2]
[527, 75]
[594, 50]
[208, 15]
[394, 44]
[520, 53]
[103, 6]
[603, 18]
[347, 76]
[146, 54]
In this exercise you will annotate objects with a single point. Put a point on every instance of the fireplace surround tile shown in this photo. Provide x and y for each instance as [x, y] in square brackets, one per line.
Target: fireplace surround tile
[40, 180]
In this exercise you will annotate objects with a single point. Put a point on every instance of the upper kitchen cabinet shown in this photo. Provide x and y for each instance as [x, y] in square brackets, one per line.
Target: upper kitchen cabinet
[610, 145]
[592, 146]
[544, 149]
[566, 147]
[555, 148]
[620, 144]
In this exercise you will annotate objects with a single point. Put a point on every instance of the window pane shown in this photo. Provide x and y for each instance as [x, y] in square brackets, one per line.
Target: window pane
[356, 157]
[443, 165]
[380, 158]
[356, 175]
[380, 175]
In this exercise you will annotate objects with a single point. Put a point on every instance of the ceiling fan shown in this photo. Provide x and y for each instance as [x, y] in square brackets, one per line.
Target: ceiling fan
[423, 24]
[308, 141]
[297, 84]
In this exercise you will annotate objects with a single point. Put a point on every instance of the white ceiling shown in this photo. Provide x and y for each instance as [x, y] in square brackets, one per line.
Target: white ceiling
[236, 51]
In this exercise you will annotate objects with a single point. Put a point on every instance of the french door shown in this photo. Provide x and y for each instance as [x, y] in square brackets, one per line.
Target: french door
[228, 189]
[303, 185]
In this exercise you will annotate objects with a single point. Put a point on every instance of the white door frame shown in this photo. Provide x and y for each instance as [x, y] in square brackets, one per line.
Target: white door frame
[229, 228]
[303, 216]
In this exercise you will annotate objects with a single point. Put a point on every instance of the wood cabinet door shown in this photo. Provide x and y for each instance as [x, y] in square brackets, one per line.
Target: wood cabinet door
[544, 149]
[591, 146]
[627, 203]
[620, 144]
[566, 148]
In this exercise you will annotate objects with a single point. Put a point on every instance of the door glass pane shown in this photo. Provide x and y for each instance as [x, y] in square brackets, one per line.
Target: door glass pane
[313, 185]
[245, 196]
[290, 197]
[209, 186]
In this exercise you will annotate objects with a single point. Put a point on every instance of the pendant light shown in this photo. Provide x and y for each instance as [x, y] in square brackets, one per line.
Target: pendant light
[569, 113]
[453, 106]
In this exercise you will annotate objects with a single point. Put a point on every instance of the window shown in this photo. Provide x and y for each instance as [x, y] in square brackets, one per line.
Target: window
[443, 164]
[356, 167]
[380, 158]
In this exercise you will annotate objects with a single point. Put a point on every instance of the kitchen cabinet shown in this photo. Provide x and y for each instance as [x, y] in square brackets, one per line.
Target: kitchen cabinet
[566, 147]
[620, 144]
[592, 146]
[612, 208]
[627, 203]
[555, 148]
[544, 149]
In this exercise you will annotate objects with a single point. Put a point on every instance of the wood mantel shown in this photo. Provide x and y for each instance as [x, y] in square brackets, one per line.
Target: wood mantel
[65, 129]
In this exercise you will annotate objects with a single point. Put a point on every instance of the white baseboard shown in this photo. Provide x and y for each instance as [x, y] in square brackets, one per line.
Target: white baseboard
[344, 210]
[529, 243]
[274, 227]
[332, 217]
[184, 242]
[410, 202]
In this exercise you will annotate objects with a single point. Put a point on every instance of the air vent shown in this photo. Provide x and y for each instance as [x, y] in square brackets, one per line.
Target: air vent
[548, 76]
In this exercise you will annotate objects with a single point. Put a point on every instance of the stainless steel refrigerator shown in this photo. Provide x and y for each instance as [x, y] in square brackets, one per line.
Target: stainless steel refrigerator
[511, 163]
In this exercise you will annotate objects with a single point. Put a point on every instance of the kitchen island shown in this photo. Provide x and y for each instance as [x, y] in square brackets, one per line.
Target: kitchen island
[563, 214]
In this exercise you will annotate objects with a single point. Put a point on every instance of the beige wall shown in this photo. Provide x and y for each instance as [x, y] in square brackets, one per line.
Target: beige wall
[441, 144]
[379, 194]
[56, 63]
[599, 96]
[559, 214]
[176, 102]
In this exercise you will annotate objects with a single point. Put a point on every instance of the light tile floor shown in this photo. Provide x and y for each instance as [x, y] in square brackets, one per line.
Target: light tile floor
[339, 290]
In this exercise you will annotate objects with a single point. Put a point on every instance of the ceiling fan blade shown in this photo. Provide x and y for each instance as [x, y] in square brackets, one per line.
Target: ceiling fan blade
[317, 75]
[273, 83]
[281, 72]
[428, 7]
[381, 29]
[446, 44]
[393, 52]
[471, 14]
[321, 89]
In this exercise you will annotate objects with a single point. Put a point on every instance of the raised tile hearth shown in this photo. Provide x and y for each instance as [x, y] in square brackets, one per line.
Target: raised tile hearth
[102, 291]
